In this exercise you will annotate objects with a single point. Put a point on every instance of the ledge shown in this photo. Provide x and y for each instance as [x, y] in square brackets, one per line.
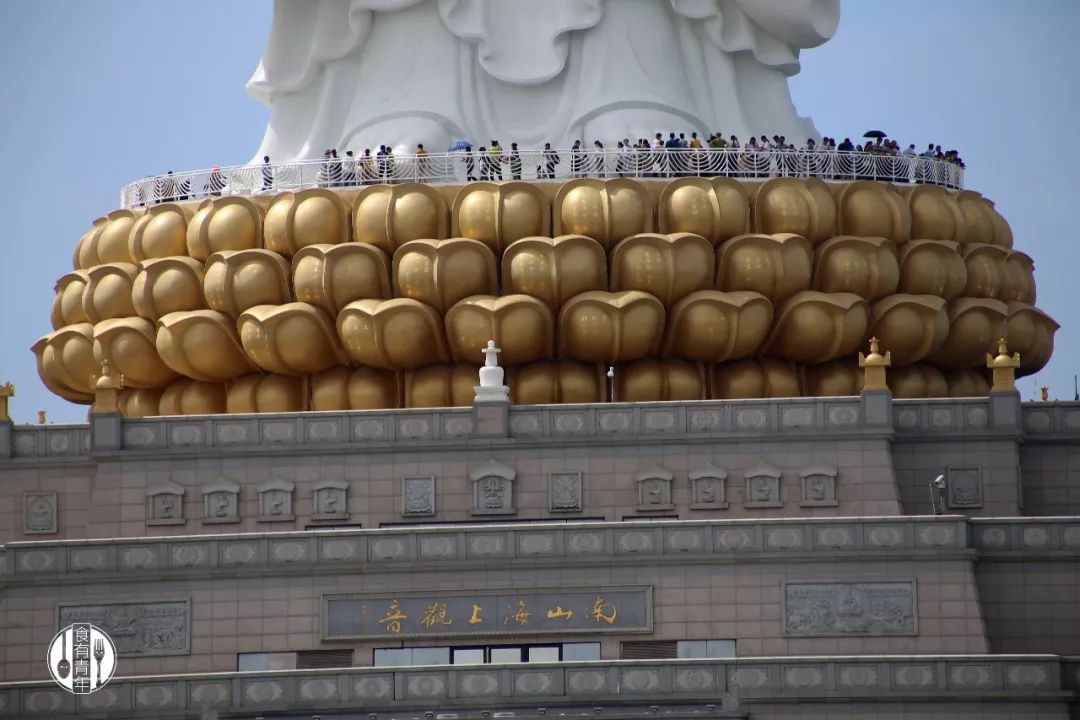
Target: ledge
[728, 683]
[388, 549]
[1026, 538]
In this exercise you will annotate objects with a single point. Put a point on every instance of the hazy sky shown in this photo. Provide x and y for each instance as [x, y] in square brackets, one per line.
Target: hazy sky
[95, 94]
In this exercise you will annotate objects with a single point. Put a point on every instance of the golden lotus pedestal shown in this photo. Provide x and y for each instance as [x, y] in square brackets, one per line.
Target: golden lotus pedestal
[383, 296]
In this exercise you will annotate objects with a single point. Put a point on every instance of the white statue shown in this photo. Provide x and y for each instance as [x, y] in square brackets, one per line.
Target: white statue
[355, 74]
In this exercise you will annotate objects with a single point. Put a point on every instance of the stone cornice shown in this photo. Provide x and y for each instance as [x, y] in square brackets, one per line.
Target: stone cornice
[709, 685]
[506, 545]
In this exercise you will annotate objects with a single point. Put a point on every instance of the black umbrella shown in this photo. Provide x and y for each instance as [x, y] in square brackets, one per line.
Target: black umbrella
[875, 134]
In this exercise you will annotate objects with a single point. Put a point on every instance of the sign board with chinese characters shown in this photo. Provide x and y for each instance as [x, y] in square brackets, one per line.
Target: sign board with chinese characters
[153, 627]
[850, 608]
[458, 614]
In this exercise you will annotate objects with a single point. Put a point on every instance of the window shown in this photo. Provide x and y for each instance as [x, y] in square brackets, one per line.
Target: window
[706, 648]
[498, 654]
[300, 660]
[660, 649]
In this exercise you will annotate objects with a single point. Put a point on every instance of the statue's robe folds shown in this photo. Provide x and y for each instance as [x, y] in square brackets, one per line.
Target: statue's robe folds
[360, 73]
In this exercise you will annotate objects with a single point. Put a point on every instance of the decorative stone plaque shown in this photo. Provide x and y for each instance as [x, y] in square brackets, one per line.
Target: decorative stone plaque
[564, 492]
[964, 487]
[139, 629]
[331, 500]
[418, 496]
[40, 513]
[818, 487]
[850, 608]
[276, 501]
[654, 490]
[385, 616]
[708, 488]
[221, 502]
[763, 487]
[493, 489]
[165, 504]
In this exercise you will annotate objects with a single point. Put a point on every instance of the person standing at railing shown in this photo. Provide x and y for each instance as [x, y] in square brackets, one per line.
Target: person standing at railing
[485, 164]
[349, 177]
[336, 172]
[381, 163]
[671, 148]
[323, 179]
[622, 162]
[598, 160]
[267, 173]
[515, 162]
[470, 164]
[577, 160]
[551, 159]
[215, 183]
[495, 152]
[423, 165]
[367, 167]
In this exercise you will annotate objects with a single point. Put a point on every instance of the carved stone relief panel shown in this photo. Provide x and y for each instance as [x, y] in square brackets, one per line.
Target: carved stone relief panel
[493, 489]
[964, 487]
[40, 513]
[708, 488]
[763, 487]
[654, 490]
[818, 487]
[165, 504]
[564, 492]
[418, 496]
[331, 500]
[850, 608]
[276, 500]
[221, 502]
[139, 629]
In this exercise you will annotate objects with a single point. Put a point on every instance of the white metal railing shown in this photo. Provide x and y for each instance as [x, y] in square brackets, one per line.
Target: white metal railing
[460, 167]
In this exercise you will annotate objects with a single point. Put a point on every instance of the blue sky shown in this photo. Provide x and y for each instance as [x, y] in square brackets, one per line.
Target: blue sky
[96, 94]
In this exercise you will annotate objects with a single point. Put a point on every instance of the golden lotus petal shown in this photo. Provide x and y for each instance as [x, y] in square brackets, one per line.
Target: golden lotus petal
[86, 250]
[67, 307]
[191, 397]
[439, 273]
[224, 223]
[975, 326]
[610, 327]
[986, 271]
[917, 381]
[441, 385]
[985, 224]
[566, 381]
[777, 266]
[388, 216]
[873, 209]
[553, 270]
[498, 214]
[838, 378]
[744, 379]
[355, 389]
[802, 207]
[128, 346]
[522, 326]
[911, 327]
[139, 402]
[65, 362]
[160, 232]
[932, 267]
[290, 339]
[1030, 333]
[266, 394]
[967, 383]
[605, 210]
[1019, 278]
[237, 280]
[168, 285]
[655, 380]
[112, 242]
[202, 345]
[866, 266]
[711, 326]
[668, 267]
[814, 327]
[935, 214]
[107, 293]
[718, 209]
[332, 276]
[296, 220]
[399, 334]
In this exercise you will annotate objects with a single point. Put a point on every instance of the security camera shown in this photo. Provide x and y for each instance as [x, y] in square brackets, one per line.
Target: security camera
[939, 483]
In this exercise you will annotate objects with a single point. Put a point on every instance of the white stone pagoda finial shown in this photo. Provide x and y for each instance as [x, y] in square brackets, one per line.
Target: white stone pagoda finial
[491, 375]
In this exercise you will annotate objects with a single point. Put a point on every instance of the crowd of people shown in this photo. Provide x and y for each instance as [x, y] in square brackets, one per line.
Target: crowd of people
[675, 155]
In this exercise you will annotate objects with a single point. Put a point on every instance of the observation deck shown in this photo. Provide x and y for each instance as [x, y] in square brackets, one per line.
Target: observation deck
[453, 167]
